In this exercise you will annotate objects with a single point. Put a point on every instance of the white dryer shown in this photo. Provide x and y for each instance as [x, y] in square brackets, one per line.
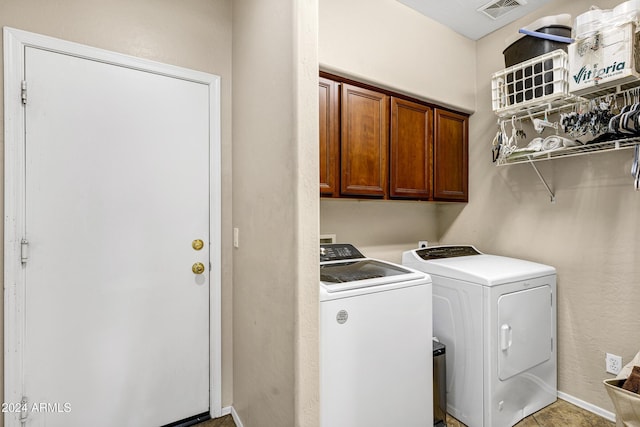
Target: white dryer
[375, 342]
[497, 318]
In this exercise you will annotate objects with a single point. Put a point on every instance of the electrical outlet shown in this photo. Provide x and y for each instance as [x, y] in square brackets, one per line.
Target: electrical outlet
[422, 244]
[613, 363]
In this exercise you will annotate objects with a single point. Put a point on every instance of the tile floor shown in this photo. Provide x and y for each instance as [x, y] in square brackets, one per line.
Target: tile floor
[559, 414]
[226, 421]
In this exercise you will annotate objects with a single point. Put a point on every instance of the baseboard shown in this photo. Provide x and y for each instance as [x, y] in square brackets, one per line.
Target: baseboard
[236, 418]
[588, 406]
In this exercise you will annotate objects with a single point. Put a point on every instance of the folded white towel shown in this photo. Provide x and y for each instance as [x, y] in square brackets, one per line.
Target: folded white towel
[534, 145]
[554, 142]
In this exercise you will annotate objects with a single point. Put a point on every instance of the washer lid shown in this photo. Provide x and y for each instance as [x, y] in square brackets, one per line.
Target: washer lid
[342, 276]
[487, 270]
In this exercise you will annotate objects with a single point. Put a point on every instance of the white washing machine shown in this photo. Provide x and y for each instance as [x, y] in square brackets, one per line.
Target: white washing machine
[497, 318]
[375, 342]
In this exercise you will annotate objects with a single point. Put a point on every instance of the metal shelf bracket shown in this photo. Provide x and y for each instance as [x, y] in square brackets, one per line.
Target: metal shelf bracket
[553, 196]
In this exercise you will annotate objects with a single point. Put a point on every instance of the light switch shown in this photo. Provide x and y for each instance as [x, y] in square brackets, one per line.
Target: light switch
[236, 237]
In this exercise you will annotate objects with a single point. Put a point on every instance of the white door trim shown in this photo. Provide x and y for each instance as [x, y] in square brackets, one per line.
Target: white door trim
[15, 42]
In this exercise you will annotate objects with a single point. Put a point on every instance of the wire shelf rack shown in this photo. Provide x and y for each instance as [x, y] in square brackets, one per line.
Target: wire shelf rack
[589, 148]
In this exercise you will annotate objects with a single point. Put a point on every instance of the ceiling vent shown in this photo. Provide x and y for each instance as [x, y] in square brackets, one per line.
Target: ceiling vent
[498, 8]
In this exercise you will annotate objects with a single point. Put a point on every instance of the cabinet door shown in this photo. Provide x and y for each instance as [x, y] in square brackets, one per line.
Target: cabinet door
[411, 150]
[329, 137]
[451, 156]
[364, 142]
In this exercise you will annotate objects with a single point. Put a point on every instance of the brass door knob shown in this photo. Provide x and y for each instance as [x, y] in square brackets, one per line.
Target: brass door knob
[197, 244]
[198, 268]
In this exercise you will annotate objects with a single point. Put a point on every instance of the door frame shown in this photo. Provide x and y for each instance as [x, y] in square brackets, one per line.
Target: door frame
[15, 42]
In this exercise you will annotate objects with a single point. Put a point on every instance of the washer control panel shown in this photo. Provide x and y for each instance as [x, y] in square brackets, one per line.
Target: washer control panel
[338, 252]
[439, 252]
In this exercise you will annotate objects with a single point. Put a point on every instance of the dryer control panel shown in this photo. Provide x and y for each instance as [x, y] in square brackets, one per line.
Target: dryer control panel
[339, 252]
[439, 252]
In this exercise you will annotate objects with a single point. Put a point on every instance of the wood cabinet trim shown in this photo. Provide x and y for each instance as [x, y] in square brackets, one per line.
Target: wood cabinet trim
[354, 174]
[329, 138]
[440, 187]
[404, 159]
[341, 79]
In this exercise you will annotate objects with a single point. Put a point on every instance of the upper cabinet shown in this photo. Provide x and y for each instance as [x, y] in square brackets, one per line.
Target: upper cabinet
[364, 142]
[451, 150]
[329, 137]
[411, 150]
[389, 146]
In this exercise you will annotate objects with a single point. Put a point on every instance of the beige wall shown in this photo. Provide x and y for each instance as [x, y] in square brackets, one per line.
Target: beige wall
[590, 234]
[306, 131]
[275, 205]
[391, 45]
[380, 228]
[385, 43]
[194, 34]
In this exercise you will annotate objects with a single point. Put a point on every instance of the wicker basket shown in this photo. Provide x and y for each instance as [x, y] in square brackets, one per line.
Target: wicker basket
[627, 404]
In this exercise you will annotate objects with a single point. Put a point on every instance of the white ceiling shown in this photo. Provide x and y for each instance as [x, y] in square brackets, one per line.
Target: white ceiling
[463, 16]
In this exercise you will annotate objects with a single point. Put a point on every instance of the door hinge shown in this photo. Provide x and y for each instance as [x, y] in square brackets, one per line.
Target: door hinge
[23, 92]
[24, 409]
[24, 251]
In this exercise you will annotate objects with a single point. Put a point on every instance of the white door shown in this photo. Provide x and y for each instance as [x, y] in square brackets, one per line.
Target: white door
[524, 322]
[116, 190]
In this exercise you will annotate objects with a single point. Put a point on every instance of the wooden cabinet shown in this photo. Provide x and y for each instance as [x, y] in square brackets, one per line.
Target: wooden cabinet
[364, 142]
[411, 150]
[379, 144]
[329, 137]
[451, 153]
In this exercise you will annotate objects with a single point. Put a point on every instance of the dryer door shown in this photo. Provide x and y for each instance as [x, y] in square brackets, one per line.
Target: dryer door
[524, 330]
